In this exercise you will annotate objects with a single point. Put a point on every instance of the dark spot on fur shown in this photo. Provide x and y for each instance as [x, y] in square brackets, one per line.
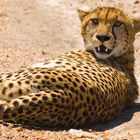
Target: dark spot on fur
[10, 95]
[27, 82]
[29, 77]
[54, 73]
[45, 98]
[88, 99]
[69, 79]
[62, 100]
[77, 80]
[46, 77]
[34, 98]
[43, 72]
[43, 82]
[74, 68]
[11, 85]
[60, 79]
[32, 104]
[20, 92]
[39, 102]
[58, 86]
[53, 95]
[29, 112]
[38, 87]
[3, 91]
[76, 99]
[20, 109]
[37, 94]
[67, 63]
[93, 102]
[74, 84]
[9, 75]
[25, 101]
[82, 88]
[38, 76]
[53, 79]
[15, 103]
[72, 89]
[66, 86]
[85, 85]
[91, 91]
[14, 115]
[81, 97]
[19, 82]
[64, 76]
[54, 100]
[58, 62]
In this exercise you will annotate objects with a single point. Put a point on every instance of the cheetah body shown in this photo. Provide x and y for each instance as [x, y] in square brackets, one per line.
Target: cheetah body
[72, 90]
[68, 95]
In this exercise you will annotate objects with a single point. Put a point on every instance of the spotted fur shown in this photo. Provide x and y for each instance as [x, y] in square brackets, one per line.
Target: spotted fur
[79, 87]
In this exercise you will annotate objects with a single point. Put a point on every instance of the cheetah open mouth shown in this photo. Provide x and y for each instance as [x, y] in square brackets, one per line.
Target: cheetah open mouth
[103, 49]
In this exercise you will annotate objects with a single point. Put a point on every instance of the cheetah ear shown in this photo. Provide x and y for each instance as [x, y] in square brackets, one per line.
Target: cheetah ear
[82, 14]
[136, 25]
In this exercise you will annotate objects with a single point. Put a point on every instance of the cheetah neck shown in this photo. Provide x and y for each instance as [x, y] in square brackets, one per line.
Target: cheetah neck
[127, 60]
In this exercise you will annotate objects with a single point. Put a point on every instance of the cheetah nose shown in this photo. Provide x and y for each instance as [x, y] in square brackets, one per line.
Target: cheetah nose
[103, 38]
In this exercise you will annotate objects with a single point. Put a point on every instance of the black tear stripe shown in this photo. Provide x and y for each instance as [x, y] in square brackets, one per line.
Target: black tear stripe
[113, 31]
[126, 29]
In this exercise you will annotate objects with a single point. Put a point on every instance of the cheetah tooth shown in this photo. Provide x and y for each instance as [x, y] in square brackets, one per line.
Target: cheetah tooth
[106, 49]
[98, 48]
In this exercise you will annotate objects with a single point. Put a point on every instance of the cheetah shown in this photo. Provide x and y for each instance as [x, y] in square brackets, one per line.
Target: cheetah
[81, 87]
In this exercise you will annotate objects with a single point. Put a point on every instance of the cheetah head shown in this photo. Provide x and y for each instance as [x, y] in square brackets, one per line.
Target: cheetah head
[107, 31]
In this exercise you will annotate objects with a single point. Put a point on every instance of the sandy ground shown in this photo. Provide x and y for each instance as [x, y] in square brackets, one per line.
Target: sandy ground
[34, 30]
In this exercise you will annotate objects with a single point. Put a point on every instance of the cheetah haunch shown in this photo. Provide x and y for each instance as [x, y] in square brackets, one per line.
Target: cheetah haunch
[79, 87]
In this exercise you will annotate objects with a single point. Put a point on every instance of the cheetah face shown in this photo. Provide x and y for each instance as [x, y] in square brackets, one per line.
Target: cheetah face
[107, 32]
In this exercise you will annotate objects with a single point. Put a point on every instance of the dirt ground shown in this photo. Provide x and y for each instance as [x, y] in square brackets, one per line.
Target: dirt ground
[35, 30]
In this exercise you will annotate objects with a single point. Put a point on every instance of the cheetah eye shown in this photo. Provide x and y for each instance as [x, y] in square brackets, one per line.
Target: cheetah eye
[118, 23]
[95, 21]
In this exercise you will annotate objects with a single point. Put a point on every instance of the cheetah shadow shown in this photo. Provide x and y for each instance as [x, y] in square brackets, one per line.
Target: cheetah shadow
[125, 116]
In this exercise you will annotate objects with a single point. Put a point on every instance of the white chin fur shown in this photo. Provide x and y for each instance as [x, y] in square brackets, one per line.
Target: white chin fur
[89, 47]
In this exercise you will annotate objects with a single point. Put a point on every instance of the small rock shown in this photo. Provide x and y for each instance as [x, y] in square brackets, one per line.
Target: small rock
[82, 134]
[19, 129]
